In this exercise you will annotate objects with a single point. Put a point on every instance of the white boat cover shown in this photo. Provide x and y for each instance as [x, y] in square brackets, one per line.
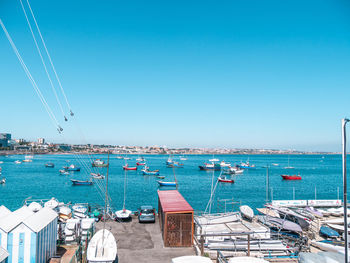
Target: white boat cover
[246, 211]
[102, 252]
[247, 260]
[218, 218]
[123, 214]
[52, 203]
[191, 259]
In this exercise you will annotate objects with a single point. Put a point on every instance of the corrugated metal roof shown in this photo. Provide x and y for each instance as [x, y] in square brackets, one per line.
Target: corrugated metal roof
[40, 219]
[4, 211]
[173, 201]
[9, 222]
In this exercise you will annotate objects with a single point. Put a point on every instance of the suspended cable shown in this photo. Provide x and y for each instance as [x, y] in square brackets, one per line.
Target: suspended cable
[35, 86]
[49, 57]
[43, 62]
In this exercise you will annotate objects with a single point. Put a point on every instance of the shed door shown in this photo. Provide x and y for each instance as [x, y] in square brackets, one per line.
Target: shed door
[179, 230]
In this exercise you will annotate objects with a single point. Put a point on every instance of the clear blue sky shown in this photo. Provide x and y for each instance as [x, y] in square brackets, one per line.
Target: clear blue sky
[260, 74]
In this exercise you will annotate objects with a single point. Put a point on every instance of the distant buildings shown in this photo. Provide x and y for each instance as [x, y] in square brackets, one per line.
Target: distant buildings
[41, 141]
[5, 138]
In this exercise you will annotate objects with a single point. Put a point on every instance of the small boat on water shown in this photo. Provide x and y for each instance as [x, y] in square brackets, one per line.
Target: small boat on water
[162, 183]
[246, 165]
[3, 181]
[128, 168]
[97, 175]
[247, 212]
[18, 162]
[175, 165]
[64, 172]
[50, 165]
[147, 172]
[102, 247]
[140, 163]
[72, 168]
[224, 164]
[223, 179]
[160, 176]
[140, 159]
[291, 177]
[210, 167]
[183, 158]
[80, 182]
[99, 163]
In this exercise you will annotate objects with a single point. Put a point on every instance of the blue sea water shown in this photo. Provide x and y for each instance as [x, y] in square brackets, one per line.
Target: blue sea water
[322, 179]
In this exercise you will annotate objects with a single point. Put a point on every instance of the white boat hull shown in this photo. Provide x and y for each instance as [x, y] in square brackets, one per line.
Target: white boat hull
[102, 247]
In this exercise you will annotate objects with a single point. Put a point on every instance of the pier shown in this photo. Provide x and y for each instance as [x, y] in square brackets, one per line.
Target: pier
[142, 242]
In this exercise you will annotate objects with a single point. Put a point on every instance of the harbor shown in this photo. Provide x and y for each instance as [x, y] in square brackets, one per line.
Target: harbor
[222, 229]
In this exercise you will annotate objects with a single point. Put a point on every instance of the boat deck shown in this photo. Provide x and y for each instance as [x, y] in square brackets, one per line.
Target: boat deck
[142, 242]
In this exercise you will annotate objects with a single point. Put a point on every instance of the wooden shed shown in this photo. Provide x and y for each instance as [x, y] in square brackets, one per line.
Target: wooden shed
[175, 219]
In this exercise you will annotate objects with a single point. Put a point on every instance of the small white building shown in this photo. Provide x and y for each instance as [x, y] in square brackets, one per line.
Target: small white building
[30, 237]
[10, 221]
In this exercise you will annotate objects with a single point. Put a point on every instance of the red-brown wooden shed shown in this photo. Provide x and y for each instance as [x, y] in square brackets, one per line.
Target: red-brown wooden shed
[175, 219]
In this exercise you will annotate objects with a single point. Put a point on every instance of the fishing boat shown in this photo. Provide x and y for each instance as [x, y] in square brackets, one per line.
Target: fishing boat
[128, 168]
[210, 167]
[175, 165]
[213, 160]
[97, 176]
[234, 170]
[80, 182]
[246, 165]
[147, 172]
[291, 177]
[224, 164]
[223, 179]
[169, 161]
[160, 176]
[162, 183]
[140, 164]
[328, 232]
[246, 212]
[18, 162]
[99, 163]
[72, 168]
[64, 172]
[50, 165]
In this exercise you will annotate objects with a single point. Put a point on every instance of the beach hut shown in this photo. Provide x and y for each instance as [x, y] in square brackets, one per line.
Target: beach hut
[10, 221]
[28, 236]
[175, 219]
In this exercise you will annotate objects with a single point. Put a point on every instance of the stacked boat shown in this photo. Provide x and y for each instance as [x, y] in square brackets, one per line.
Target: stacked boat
[72, 231]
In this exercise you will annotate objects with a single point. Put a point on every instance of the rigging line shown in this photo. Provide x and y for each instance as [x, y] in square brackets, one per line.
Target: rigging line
[43, 61]
[49, 57]
[35, 86]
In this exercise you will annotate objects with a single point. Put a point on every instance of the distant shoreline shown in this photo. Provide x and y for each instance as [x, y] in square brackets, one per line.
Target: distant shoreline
[4, 153]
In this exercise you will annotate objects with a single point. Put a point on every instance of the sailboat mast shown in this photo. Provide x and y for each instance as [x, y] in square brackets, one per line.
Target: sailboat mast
[106, 197]
[124, 189]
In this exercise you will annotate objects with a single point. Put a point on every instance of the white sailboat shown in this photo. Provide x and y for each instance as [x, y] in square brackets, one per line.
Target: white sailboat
[123, 214]
[102, 247]
[288, 167]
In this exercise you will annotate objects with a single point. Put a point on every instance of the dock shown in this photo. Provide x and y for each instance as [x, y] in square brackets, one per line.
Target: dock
[142, 242]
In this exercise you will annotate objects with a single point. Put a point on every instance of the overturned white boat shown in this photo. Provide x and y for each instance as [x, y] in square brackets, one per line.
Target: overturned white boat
[246, 212]
[247, 260]
[102, 247]
[191, 259]
[123, 214]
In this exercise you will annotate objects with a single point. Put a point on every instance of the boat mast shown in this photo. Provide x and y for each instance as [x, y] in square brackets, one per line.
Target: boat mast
[106, 198]
[345, 193]
[125, 171]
